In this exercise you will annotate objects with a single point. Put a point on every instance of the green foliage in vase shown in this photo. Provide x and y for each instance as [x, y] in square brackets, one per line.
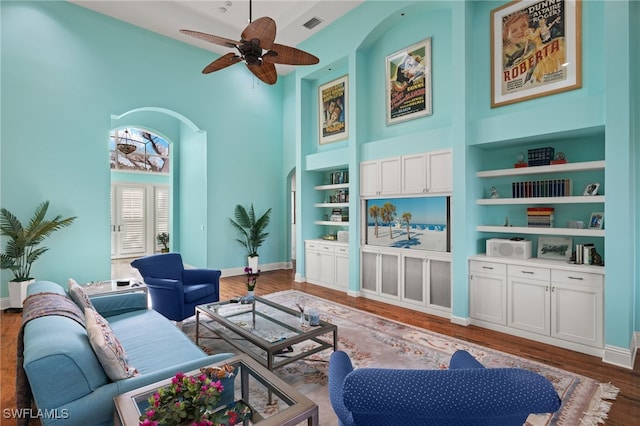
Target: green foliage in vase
[252, 229]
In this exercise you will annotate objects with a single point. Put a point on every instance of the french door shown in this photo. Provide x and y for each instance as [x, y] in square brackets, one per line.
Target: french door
[138, 213]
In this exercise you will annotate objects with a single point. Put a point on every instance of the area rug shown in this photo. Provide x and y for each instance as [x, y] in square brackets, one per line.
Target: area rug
[374, 341]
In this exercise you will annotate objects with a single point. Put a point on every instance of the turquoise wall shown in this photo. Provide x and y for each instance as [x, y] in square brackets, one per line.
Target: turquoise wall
[67, 71]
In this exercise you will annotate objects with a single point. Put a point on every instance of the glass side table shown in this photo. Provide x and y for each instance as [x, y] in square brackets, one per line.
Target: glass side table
[272, 401]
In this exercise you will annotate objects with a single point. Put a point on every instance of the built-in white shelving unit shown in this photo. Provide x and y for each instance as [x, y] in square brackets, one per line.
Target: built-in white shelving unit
[541, 170]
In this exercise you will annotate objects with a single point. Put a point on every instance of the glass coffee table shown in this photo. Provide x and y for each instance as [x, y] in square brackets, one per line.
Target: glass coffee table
[273, 402]
[268, 332]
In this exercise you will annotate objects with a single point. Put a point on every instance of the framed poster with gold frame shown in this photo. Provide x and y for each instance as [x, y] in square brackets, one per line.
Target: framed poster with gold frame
[408, 77]
[536, 49]
[333, 111]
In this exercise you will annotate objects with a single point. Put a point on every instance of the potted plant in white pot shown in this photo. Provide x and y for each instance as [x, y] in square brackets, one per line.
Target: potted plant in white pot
[23, 247]
[252, 231]
[163, 238]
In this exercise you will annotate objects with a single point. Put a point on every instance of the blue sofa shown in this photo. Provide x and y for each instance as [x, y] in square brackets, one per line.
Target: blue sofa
[467, 394]
[176, 291]
[66, 377]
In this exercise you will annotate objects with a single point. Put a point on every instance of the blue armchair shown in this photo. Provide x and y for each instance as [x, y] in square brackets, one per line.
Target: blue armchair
[465, 394]
[176, 291]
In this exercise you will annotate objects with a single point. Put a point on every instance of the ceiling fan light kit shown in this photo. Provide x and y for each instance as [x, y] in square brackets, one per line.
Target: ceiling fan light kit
[256, 49]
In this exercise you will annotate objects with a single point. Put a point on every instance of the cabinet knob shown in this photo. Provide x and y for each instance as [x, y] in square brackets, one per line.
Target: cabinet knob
[488, 267]
[527, 272]
[575, 278]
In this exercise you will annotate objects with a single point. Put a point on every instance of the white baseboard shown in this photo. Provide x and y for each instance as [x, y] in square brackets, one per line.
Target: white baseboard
[460, 320]
[622, 357]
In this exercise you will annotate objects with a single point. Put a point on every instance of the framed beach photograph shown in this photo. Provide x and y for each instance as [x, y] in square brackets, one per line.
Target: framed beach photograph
[536, 49]
[596, 221]
[333, 120]
[408, 81]
[556, 248]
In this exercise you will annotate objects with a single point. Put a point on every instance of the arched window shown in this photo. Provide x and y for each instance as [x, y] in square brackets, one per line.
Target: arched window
[137, 150]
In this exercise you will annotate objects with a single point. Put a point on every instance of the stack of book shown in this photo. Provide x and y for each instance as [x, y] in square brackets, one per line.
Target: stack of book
[540, 217]
[338, 215]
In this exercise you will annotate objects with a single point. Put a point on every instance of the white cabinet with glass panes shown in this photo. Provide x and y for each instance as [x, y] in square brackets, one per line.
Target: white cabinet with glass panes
[380, 272]
[426, 279]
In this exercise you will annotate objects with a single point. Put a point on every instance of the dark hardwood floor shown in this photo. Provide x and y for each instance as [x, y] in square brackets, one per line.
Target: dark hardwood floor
[624, 411]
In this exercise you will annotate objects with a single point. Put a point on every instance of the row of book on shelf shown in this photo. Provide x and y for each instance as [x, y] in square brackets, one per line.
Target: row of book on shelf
[540, 217]
[542, 188]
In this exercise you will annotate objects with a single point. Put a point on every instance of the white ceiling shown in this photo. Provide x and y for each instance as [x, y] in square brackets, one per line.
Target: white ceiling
[223, 18]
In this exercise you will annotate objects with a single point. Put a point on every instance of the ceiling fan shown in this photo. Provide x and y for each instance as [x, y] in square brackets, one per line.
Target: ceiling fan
[257, 49]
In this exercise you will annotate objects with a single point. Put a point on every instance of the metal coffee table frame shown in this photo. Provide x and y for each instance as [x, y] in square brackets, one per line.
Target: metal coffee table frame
[273, 356]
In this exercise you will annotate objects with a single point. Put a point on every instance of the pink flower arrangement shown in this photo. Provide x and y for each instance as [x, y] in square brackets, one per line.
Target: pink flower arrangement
[252, 277]
[193, 400]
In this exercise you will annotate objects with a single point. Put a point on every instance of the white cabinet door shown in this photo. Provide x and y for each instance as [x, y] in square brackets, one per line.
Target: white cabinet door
[488, 292]
[413, 285]
[326, 268]
[439, 283]
[312, 265]
[389, 176]
[577, 308]
[368, 178]
[342, 267]
[414, 174]
[389, 274]
[381, 273]
[439, 171]
[342, 271]
[528, 305]
[369, 271]
[380, 177]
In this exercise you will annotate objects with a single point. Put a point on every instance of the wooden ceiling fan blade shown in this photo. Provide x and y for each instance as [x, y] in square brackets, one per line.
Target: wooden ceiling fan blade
[263, 29]
[287, 55]
[211, 38]
[222, 62]
[265, 72]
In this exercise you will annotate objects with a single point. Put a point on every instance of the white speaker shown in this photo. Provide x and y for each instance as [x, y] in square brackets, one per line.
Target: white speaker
[498, 247]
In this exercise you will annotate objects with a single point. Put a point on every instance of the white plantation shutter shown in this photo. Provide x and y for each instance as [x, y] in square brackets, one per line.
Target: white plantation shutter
[161, 209]
[131, 227]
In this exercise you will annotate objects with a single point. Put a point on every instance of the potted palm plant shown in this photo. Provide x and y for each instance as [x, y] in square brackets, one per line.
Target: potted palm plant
[252, 231]
[23, 247]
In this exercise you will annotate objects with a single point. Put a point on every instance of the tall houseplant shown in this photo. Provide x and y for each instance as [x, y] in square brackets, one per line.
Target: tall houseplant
[252, 231]
[24, 245]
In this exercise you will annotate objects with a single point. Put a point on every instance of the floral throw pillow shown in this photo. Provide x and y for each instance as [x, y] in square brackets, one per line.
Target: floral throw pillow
[78, 295]
[107, 347]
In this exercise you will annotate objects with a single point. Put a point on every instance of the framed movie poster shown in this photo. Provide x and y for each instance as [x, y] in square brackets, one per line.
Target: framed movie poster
[408, 76]
[333, 109]
[535, 49]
